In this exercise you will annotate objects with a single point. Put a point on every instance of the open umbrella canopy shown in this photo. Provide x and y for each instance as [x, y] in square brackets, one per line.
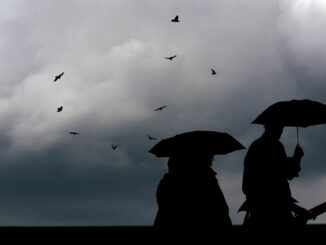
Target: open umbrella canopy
[293, 113]
[209, 142]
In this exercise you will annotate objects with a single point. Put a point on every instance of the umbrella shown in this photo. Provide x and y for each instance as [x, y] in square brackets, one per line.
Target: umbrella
[294, 113]
[210, 142]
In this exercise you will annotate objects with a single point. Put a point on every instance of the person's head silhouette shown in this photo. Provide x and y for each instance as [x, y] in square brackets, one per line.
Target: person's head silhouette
[190, 161]
[274, 130]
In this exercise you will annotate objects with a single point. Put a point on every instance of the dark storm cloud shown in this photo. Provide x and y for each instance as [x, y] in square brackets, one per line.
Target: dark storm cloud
[112, 53]
[59, 187]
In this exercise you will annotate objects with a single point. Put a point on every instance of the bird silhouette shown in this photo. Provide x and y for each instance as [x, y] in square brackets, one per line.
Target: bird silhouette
[176, 19]
[171, 57]
[74, 133]
[160, 108]
[59, 109]
[213, 72]
[114, 146]
[151, 138]
[58, 77]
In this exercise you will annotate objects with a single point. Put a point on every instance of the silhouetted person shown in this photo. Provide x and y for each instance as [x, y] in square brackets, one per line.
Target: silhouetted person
[190, 200]
[267, 170]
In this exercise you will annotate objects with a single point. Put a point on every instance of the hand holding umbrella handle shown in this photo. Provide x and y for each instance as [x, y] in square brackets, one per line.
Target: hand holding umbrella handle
[298, 152]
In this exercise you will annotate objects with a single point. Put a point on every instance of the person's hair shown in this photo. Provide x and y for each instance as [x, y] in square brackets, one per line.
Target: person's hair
[274, 130]
[184, 162]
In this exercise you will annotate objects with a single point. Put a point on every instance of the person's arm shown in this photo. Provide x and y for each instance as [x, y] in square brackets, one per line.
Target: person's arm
[298, 153]
[294, 163]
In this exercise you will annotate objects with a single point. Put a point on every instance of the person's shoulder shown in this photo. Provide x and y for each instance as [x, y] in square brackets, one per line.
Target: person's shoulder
[257, 143]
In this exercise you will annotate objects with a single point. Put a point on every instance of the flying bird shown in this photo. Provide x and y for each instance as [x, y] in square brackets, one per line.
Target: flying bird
[114, 146]
[171, 57]
[213, 72]
[176, 19]
[74, 133]
[160, 108]
[59, 109]
[58, 77]
[151, 138]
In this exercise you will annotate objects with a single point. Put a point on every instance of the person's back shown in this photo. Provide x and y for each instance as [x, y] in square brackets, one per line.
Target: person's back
[190, 199]
[265, 184]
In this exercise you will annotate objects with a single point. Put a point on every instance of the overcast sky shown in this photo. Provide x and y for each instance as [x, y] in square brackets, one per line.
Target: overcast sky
[112, 53]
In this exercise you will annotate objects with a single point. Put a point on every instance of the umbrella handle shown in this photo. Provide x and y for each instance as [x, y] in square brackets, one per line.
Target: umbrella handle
[298, 136]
